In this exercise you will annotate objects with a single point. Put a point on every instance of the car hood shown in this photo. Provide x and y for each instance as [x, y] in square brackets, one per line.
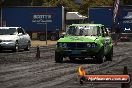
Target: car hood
[78, 39]
[8, 37]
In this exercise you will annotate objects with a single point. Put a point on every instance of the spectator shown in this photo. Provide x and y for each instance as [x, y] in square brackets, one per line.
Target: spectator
[117, 33]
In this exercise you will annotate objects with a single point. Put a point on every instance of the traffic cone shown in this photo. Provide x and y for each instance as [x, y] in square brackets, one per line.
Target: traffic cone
[38, 52]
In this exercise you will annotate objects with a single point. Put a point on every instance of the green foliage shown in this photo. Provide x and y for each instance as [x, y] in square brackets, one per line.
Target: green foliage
[70, 5]
[127, 2]
[90, 3]
[37, 2]
[16, 2]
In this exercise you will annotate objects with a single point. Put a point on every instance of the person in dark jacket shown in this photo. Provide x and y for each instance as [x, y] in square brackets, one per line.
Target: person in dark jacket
[117, 33]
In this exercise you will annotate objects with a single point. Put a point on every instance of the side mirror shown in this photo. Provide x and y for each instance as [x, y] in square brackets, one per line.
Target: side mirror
[62, 35]
[20, 34]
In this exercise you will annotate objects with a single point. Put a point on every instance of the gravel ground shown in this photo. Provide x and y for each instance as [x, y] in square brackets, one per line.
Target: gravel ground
[23, 70]
[35, 43]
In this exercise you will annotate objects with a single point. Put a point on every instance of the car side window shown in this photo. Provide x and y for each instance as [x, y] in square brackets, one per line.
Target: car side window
[23, 31]
[98, 31]
[104, 31]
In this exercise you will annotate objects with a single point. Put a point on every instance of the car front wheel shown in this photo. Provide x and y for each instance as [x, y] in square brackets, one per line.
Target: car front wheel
[100, 56]
[16, 48]
[109, 56]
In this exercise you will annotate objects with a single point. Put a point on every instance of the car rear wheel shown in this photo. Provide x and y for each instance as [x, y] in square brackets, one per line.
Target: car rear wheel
[72, 59]
[58, 57]
[53, 37]
[109, 56]
[100, 56]
[42, 37]
[27, 47]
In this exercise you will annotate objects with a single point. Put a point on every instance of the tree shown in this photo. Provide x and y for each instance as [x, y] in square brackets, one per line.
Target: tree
[17, 2]
[1, 2]
[37, 2]
[127, 2]
[70, 5]
[91, 3]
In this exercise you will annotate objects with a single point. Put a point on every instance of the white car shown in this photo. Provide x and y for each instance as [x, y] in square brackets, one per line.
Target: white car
[14, 38]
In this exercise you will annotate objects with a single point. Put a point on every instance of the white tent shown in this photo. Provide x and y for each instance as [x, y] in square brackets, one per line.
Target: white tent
[74, 16]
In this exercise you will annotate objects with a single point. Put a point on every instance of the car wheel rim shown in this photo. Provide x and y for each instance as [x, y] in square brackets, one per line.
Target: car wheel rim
[28, 47]
[16, 48]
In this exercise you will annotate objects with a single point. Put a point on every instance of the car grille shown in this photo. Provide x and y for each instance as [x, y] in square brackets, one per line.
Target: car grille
[76, 45]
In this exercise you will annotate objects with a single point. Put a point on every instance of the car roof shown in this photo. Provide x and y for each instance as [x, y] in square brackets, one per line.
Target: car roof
[87, 25]
[8, 27]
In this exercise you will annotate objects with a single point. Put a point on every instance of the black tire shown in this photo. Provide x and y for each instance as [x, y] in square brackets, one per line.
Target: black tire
[81, 58]
[53, 37]
[109, 56]
[58, 57]
[42, 38]
[0, 49]
[100, 56]
[27, 47]
[72, 59]
[16, 48]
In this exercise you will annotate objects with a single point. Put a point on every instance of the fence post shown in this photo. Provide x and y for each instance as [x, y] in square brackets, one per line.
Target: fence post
[38, 53]
[125, 72]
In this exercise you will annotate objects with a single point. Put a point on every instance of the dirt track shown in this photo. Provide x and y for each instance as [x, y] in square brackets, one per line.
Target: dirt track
[35, 43]
[23, 70]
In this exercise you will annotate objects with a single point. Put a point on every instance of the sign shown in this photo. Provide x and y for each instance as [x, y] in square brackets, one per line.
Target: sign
[41, 18]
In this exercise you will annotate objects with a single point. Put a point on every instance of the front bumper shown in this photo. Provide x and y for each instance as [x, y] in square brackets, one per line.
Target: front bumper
[7, 45]
[78, 52]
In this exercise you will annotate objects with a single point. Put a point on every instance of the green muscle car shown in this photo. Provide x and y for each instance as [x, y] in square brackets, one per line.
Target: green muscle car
[85, 40]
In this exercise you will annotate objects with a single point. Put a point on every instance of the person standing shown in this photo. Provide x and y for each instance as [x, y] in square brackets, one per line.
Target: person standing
[117, 33]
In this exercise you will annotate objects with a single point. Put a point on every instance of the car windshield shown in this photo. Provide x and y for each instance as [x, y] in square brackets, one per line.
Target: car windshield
[10, 31]
[83, 31]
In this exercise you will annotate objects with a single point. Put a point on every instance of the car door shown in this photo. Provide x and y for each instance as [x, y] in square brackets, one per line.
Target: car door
[26, 38]
[21, 37]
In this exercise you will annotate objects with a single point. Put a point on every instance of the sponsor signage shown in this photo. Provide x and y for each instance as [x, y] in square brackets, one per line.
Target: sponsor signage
[41, 18]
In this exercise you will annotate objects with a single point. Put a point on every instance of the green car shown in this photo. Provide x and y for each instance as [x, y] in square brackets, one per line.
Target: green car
[85, 40]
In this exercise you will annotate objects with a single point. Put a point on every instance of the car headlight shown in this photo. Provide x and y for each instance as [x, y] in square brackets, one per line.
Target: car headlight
[88, 45]
[91, 45]
[62, 45]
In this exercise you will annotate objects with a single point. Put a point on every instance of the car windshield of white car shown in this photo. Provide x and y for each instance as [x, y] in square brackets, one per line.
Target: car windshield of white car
[10, 31]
